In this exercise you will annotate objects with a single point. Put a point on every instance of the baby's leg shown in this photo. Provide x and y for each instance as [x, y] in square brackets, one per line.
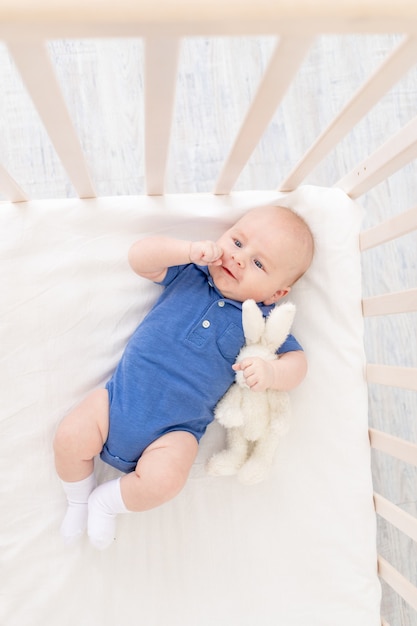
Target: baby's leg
[79, 438]
[160, 474]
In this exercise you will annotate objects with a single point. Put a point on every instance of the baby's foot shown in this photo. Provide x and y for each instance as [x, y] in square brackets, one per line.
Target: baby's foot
[75, 520]
[74, 523]
[103, 505]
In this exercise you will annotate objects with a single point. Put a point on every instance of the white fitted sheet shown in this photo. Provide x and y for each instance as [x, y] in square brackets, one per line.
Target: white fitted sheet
[297, 549]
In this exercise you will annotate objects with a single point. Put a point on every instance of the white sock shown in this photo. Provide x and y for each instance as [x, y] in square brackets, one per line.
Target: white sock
[103, 505]
[75, 520]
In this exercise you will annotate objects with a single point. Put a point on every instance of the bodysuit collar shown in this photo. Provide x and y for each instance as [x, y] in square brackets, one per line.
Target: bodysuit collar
[265, 308]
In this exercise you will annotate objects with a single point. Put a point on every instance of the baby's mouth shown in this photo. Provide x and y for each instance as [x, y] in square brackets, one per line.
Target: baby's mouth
[228, 272]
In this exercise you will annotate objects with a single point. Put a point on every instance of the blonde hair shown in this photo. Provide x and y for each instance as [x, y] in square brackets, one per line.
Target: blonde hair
[305, 239]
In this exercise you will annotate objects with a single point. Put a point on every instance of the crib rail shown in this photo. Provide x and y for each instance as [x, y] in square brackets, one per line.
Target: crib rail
[390, 157]
[161, 60]
[36, 71]
[394, 446]
[389, 72]
[398, 582]
[285, 60]
[399, 377]
[398, 302]
[399, 518]
[68, 18]
[389, 229]
[406, 523]
[10, 188]
[402, 377]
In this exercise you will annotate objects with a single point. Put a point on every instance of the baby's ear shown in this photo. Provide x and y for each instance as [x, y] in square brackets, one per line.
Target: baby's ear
[281, 293]
[252, 321]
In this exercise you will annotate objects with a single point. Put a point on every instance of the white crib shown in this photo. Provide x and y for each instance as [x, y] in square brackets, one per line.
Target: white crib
[67, 220]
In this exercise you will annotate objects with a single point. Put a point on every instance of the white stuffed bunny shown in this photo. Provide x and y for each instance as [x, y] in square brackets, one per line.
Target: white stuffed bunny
[255, 420]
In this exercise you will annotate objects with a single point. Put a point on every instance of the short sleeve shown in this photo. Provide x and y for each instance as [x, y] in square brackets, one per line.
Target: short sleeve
[172, 273]
[290, 345]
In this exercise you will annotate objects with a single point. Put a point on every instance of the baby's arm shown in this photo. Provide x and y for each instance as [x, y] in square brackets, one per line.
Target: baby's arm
[151, 257]
[284, 373]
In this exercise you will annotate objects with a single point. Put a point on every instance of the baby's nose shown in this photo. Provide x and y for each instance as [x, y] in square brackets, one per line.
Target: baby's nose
[238, 258]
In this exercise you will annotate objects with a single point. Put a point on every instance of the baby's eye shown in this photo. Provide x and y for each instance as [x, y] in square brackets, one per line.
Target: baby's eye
[258, 264]
[238, 244]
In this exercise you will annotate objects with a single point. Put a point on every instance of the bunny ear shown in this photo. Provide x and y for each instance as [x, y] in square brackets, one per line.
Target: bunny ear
[278, 325]
[252, 321]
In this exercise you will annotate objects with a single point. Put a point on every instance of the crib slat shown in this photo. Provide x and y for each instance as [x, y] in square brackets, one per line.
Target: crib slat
[283, 65]
[399, 150]
[387, 74]
[10, 188]
[389, 303]
[396, 516]
[403, 377]
[398, 582]
[389, 229]
[161, 58]
[394, 446]
[37, 73]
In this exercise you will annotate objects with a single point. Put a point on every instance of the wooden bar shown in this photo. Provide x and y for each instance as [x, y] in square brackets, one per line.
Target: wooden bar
[394, 446]
[282, 67]
[357, 15]
[398, 582]
[402, 377]
[37, 73]
[134, 26]
[161, 59]
[399, 150]
[396, 516]
[387, 304]
[387, 74]
[9, 187]
[389, 229]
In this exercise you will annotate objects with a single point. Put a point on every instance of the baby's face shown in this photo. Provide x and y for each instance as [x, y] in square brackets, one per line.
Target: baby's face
[255, 260]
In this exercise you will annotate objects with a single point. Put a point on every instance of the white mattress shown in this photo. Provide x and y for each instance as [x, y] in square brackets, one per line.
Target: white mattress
[297, 549]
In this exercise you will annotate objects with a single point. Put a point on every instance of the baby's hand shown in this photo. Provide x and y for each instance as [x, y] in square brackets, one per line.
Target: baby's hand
[205, 253]
[258, 374]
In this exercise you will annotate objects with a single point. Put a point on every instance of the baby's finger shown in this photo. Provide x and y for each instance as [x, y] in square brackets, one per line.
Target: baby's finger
[216, 262]
[245, 364]
[216, 254]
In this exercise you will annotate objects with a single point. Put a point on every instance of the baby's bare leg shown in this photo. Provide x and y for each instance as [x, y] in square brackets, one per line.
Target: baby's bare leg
[79, 437]
[160, 474]
[161, 471]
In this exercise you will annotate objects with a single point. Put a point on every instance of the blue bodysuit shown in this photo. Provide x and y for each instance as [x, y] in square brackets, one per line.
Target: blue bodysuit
[176, 366]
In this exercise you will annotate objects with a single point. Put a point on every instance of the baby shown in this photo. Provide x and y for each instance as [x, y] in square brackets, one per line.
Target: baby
[149, 418]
